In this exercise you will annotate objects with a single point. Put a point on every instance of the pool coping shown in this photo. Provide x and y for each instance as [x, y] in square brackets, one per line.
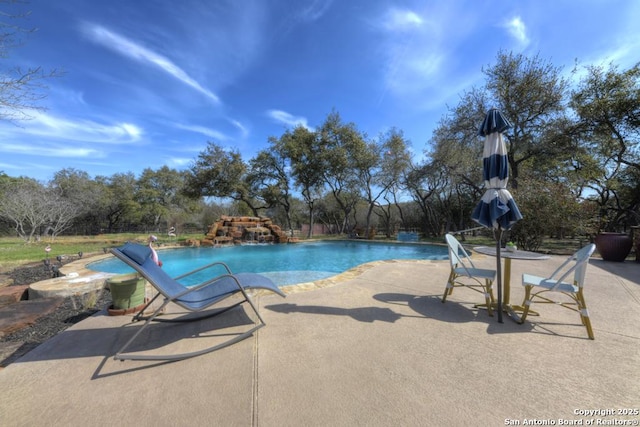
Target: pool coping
[347, 275]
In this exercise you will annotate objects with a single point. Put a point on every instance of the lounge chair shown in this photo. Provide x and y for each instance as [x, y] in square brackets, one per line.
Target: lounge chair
[567, 280]
[481, 280]
[194, 299]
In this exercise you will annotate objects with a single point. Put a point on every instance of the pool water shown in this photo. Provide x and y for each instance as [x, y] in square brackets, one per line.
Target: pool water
[284, 264]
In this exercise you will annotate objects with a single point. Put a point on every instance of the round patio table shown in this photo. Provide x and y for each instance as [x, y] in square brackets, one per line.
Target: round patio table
[508, 255]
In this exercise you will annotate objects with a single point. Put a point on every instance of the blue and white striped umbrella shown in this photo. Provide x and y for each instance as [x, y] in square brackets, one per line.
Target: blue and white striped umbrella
[496, 209]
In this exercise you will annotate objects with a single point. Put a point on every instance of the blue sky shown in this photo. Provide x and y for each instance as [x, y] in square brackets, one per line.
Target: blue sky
[148, 82]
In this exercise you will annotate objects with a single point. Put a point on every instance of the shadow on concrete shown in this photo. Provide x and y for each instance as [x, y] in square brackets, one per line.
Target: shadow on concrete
[361, 314]
[628, 270]
[432, 307]
[160, 338]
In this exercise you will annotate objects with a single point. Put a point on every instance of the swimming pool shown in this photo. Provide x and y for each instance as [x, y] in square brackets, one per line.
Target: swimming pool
[284, 264]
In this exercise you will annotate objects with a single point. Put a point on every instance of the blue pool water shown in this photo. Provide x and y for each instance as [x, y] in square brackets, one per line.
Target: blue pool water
[285, 264]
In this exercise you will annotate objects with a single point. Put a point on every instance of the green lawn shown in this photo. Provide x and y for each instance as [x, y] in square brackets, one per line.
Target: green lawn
[15, 252]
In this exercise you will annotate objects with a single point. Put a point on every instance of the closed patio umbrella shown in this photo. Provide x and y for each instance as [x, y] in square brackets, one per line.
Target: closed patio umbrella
[497, 209]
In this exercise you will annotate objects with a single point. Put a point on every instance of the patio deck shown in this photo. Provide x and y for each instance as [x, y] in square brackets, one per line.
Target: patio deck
[378, 349]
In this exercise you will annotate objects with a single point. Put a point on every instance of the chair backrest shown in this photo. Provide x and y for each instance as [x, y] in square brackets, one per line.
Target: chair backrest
[457, 253]
[139, 257]
[580, 261]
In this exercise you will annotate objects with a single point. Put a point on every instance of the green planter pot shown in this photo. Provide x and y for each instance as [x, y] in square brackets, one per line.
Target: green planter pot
[127, 291]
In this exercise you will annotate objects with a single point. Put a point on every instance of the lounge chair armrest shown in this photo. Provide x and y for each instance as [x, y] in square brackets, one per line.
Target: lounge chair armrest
[197, 270]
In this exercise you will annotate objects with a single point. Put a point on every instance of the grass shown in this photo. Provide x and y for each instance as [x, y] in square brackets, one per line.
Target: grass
[15, 251]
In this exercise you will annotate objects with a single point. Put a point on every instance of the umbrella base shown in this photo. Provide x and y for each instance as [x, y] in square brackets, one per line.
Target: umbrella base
[511, 310]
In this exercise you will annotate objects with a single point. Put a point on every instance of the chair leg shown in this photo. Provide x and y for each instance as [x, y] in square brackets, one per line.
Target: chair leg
[449, 288]
[488, 296]
[584, 314]
[493, 299]
[526, 303]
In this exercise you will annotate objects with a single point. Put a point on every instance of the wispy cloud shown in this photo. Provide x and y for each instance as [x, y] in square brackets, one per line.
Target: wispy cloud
[61, 129]
[211, 133]
[518, 30]
[135, 51]
[314, 10]
[413, 52]
[68, 96]
[48, 150]
[244, 132]
[51, 136]
[179, 162]
[402, 20]
[623, 54]
[288, 119]
[30, 168]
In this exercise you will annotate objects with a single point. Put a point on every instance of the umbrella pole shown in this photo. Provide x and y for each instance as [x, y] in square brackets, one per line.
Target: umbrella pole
[498, 236]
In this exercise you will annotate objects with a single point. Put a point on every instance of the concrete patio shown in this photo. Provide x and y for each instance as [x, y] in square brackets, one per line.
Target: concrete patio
[378, 348]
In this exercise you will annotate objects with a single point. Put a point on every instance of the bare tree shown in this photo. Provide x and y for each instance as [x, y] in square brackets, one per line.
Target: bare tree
[21, 89]
[32, 207]
[60, 214]
[24, 205]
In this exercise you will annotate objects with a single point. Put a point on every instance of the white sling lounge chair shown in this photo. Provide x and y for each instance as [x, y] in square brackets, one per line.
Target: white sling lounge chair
[198, 298]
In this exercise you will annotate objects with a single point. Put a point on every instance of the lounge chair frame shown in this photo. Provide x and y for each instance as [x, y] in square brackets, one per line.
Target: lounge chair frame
[211, 293]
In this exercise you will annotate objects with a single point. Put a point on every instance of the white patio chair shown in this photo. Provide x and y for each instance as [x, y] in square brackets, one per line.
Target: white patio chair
[557, 284]
[477, 279]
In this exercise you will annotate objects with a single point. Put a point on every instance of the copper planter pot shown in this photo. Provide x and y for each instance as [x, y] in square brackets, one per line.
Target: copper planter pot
[614, 246]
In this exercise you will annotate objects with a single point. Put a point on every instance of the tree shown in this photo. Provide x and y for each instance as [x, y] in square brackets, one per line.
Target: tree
[222, 173]
[455, 144]
[300, 146]
[607, 103]
[85, 193]
[269, 170]
[61, 213]
[343, 153]
[24, 204]
[424, 182]
[159, 194]
[548, 208]
[532, 94]
[118, 204]
[21, 89]
[381, 169]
